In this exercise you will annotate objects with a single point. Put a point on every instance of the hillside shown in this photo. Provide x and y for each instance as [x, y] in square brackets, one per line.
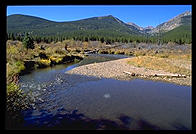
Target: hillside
[179, 35]
[180, 20]
[39, 26]
[102, 28]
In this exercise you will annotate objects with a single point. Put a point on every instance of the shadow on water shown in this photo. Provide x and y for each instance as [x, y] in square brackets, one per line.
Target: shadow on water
[78, 121]
[73, 120]
[179, 126]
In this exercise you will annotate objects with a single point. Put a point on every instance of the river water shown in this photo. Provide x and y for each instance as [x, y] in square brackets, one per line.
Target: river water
[64, 101]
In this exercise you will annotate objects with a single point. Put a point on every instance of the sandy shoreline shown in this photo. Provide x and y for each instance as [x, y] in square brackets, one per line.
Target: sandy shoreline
[115, 69]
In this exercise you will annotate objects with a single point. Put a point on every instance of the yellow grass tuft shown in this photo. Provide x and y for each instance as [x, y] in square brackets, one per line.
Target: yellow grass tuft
[56, 59]
[45, 62]
[166, 64]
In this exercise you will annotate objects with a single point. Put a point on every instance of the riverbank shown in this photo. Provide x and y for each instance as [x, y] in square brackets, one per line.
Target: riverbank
[21, 61]
[116, 69]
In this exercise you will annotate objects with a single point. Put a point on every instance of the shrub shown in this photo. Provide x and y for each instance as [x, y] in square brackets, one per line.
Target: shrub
[76, 60]
[119, 52]
[85, 44]
[44, 62]
[20, 66]
[139, 53]
[56, 59]
[42, 55]
[60, 51]
[15, 68]
[103, 52]
[13, 88]
[128, 53]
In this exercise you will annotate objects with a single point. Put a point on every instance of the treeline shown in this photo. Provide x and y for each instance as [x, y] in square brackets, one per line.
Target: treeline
[107, 37]
[179, 35]
[87, 36]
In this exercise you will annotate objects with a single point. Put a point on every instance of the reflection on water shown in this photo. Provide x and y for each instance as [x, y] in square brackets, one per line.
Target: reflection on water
[107, 95]
[64, 101]
[46, 74]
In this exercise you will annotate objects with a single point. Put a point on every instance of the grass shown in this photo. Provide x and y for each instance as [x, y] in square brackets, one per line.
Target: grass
[173, 63]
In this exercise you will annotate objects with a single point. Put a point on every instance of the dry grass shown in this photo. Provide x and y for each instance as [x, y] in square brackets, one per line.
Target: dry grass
[180, 64]
[174, 55]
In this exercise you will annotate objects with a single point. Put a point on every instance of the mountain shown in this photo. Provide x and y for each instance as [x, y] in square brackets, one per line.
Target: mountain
[149, 27]
[35, 25]
[136, 26]
[179, 27]
[140, 29]
[180, 20]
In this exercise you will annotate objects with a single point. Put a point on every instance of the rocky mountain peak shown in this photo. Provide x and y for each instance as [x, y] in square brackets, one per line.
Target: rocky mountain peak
[136, 26]
[186, 13]
[149, 27]
[173, 23]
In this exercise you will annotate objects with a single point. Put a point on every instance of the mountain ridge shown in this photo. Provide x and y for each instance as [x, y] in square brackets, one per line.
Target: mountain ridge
[173, 23]
[20, 22]
[95, 26]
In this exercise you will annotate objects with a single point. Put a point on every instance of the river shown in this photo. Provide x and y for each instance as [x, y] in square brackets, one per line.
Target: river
[64, 101]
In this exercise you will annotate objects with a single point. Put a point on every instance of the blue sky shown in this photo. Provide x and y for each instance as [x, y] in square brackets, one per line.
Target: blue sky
[142, 15]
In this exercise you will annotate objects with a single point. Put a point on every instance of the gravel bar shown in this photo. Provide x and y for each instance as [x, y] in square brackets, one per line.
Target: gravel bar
[115, 69]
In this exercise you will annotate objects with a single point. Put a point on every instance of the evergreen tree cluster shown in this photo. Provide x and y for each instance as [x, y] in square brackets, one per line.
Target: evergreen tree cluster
[179, 35]
[176, 36]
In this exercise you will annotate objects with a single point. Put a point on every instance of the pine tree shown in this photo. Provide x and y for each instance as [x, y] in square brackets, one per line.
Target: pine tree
[12, 36]
[28, 42]
[102, 40]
